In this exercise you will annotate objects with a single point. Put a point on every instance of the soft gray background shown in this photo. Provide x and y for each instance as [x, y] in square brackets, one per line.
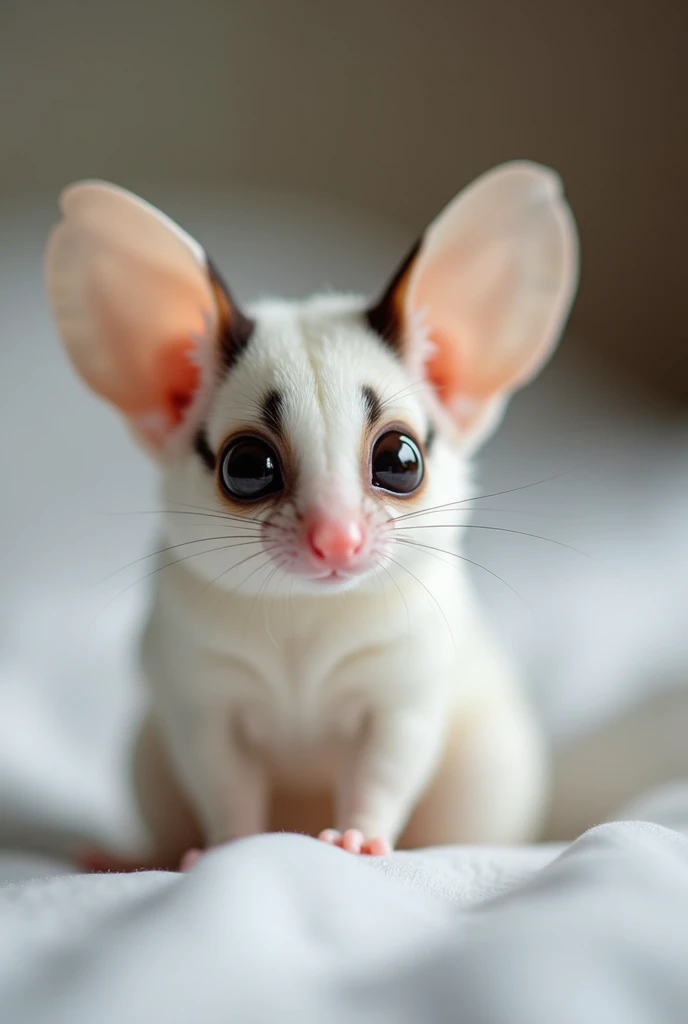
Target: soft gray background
[306, 144]
[388, 105]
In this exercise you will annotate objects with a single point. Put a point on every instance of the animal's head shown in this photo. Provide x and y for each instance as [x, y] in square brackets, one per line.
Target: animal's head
[294, 435]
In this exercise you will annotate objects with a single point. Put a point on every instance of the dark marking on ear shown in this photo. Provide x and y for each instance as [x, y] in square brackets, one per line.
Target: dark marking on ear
[271, 412]
[235, 329]
[430, 437]
[202, 448]
[386, 317]
[372, 403]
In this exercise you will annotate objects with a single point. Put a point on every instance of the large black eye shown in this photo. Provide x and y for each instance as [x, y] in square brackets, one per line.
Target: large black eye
[250, 469]
[397, 463]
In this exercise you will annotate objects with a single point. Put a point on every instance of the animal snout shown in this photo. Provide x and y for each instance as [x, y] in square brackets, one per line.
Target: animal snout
[335, 542]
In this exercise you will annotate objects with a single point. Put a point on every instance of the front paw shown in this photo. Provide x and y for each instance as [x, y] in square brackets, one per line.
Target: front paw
[353, 841]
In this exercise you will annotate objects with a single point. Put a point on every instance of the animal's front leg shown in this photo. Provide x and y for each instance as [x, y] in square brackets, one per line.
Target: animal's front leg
[384, 777]
[225, 780]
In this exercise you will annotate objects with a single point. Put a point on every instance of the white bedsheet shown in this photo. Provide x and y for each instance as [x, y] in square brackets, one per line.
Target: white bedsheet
[282, 928]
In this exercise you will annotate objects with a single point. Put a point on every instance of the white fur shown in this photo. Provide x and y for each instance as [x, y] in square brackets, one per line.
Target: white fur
[261, 677]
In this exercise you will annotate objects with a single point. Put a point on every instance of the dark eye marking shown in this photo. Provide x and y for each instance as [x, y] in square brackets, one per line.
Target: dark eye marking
[203, 450]
[271, 412]
[372, 404]
[429, 438]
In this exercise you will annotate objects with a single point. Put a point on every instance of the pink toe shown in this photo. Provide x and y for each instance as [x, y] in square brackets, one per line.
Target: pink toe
[189, 859]
[352, 840]
[330, 835]
[378, 847]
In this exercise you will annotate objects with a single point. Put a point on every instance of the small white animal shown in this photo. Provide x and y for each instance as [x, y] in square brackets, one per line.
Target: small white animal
[315, 657]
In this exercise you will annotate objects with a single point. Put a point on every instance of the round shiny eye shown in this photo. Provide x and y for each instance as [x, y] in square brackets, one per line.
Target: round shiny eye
[397, 463]
[250, 470]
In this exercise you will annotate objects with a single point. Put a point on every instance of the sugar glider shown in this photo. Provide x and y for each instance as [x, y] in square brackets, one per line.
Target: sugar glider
[315, 659]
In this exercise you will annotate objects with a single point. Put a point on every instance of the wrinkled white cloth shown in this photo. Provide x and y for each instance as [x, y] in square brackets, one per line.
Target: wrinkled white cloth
[281, 927]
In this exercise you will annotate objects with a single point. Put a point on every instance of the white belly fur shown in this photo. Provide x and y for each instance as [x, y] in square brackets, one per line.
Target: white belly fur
[297, 679]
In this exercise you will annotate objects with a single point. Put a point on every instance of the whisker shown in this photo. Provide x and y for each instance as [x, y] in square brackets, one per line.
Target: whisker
[270, 578]
[245, 580]
[235, 565]
[259, 593]
[509, 511]
[407, 387]
[172, 547]
[406, 392]
[430, 594]
[203, 508]
[384, 385]
[477, 497]
[248, 522]
[176, 561]
[235, 590]
[463, 558]
[496, 529]
[217, 510]
[383, 589]
[433, 554]
[401, 594]
[522, 487]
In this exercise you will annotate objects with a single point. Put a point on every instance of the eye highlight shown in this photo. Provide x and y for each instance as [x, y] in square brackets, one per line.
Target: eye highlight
[250, 469]
[397, 464]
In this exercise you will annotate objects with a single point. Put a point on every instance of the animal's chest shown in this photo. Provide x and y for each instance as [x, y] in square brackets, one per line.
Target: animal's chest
[304, 693]
[295, 688]
[285, 710]
[301, 711]
[297, 682]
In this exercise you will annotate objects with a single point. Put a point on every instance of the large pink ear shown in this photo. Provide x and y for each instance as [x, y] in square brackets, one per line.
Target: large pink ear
[140, 311]
[481, 302]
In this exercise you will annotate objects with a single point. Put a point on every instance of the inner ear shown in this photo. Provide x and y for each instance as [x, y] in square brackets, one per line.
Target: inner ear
[479, 304]
[145, 317]
[185, 375]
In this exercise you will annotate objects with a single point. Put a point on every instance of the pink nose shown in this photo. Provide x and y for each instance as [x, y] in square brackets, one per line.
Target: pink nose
[334, 543]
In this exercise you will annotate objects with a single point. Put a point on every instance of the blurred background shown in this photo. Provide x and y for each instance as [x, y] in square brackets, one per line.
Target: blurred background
[306, 145]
